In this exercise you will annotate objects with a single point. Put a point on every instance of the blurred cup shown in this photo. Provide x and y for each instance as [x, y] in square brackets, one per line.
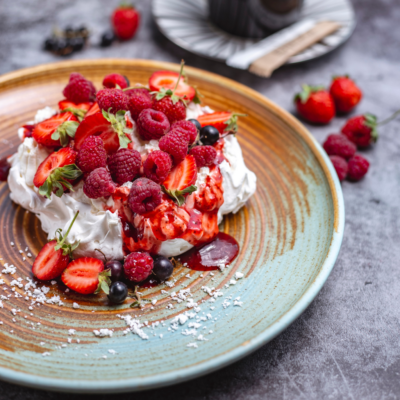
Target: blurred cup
[254, 18]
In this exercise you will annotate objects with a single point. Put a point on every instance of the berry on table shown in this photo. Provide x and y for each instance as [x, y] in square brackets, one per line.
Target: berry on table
[163, 268]
[125, 165]
[204, 155]
[118, 292]
[53, 258]
[345, 93]
[86, 275]
[138, 266]
[112, 100]
[99, 184]
[339, 145]
[138, 100]
[112, 80]
[340, 165]
[157, 166]
[209, 135]
[152, 124]
[125, 20]
[91, 155]
[175, 144]
[361, 130]
[187, 127]
[144, 196]
[79, 89]
[358, 167]
[107, 39]
[315, 104]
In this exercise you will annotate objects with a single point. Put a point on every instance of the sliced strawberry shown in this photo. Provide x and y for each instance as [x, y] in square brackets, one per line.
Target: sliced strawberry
[54, 256]
[168, 80]
[63, 104]
[86, 275]
[44, 131]
[49, 263]
[93, 125]
[111, 142]
[93, 110]
[57, 171]
[181, 180]
[217, 119]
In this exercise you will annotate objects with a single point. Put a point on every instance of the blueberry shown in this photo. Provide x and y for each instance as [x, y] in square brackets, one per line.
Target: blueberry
[209, 135]
[83, 31]
[116, 269]
[77, 43]
[118, 292]
[107, 39]
[195, 123]
[50, 44]
[69, 31]
[162, 268]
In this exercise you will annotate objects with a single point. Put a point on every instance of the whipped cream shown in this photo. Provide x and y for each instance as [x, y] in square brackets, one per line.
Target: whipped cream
[99, 229]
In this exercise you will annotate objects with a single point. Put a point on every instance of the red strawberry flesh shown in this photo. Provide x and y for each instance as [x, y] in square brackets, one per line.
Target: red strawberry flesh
[182, 175]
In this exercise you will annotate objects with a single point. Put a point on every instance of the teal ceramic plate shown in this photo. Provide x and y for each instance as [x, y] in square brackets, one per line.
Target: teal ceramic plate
[290, 234]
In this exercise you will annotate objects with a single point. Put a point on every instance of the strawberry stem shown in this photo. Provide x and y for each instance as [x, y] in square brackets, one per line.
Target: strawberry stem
[385, 121]
[69, 229]
[179, 77]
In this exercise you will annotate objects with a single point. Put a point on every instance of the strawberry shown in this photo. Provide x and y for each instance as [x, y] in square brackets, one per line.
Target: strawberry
[173, 81]
[54, 256]
[345, 93]
[110, 127]
[315, 104]
[86, 275]
[63, 104]
[181, 180]
[125, 20]
[56, 172]
[224, 121]
[54, 132]
[93, 110]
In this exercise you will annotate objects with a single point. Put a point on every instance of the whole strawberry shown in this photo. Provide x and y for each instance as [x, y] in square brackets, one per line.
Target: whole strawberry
[361, 130]
[315, 104]
[345, 93]
[125, 20]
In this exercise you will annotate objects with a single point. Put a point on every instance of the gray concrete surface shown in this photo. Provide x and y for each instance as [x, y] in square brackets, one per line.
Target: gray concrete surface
[347, 344]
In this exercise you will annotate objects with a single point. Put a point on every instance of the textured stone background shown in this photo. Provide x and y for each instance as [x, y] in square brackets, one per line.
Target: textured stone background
[347, 344]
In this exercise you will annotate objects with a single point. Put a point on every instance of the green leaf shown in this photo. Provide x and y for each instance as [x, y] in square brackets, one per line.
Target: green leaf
[104, 282]
[66, 129]
[371, 121]
[306, 91]
[78, 112]
[178, 195]
[67, 248]
[197, 97]
[232, 126]
[46, 188]
[118, 124]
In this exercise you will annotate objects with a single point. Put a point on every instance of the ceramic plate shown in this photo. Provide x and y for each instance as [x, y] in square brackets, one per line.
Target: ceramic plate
[186, 23]
[289, 233]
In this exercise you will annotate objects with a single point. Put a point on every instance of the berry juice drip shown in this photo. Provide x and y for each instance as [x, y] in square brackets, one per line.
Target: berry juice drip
[222, 250]
[4, 169]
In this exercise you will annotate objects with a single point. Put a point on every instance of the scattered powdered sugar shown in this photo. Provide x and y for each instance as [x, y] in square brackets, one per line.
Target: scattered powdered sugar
[104, 332]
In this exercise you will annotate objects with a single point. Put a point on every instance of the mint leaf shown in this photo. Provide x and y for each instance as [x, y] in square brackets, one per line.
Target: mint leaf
[177, 195]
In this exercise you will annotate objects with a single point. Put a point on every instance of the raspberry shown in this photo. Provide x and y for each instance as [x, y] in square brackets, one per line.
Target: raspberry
[157, 166]
[124, 165]
[152, 124]
[175, 144]
[204, 155]
[79, 89]
[145, 196]
[115, 99]
[358, 167]
[112, 80]
[99, 184]
[91, 155]
[138, 266]
[139, 100]
[340, 165]
[188, 127]
[174, 112]
[339, 145]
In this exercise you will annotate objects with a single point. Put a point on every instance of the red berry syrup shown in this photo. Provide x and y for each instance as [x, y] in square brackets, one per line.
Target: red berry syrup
[4, 169]
[222, 250]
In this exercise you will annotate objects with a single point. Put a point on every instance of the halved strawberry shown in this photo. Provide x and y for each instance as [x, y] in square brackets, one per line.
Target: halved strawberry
[56, 171]
[86, 275]
[63, 104]
[93, 125]
[93, 110]
[54, 256]
[181, 180]
[168, 80]
[54, 132]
